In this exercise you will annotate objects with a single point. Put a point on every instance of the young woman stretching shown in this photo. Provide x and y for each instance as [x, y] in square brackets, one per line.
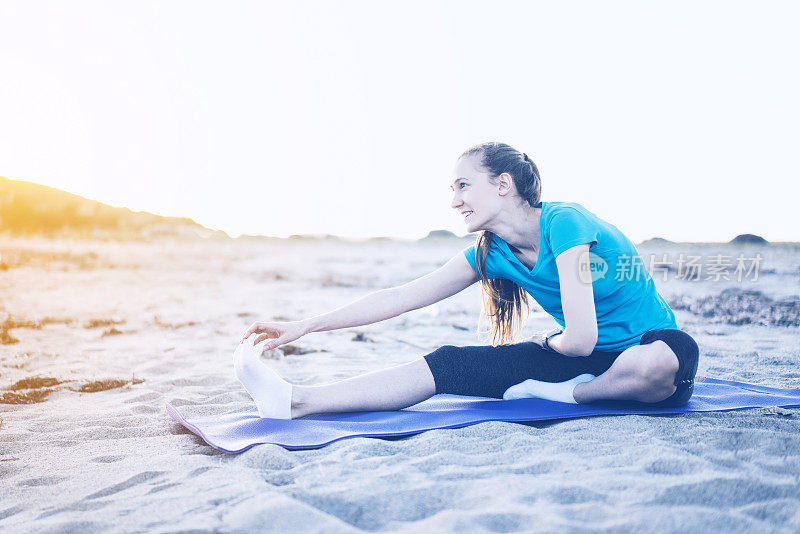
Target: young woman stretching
[618, 338]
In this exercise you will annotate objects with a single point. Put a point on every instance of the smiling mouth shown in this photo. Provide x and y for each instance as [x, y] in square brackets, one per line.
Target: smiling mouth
[467, 214]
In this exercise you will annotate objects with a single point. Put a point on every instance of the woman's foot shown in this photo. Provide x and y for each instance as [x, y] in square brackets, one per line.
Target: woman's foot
[271, 393]
[555, 391]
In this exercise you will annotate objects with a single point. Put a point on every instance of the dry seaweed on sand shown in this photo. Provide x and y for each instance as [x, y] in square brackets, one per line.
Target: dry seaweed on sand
[172, 326]
[32, 382]
[9, 323]
[104, 385]
[111, 332]
[6, 338]
[30, 396]
[95, 323]
[30, 390]
[35, 389]
[740, 306]
[361, 336]
[291, 350]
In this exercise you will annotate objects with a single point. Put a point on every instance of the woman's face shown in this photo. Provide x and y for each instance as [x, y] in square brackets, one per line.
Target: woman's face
[474, 196]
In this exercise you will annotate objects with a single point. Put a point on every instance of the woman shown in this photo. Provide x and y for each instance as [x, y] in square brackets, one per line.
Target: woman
[618, 338]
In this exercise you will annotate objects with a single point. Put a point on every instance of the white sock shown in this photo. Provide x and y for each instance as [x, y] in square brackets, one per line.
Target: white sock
[271, 393]
[555, 391]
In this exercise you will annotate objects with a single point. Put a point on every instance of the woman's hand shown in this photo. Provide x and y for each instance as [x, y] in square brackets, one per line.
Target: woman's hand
[279, 333]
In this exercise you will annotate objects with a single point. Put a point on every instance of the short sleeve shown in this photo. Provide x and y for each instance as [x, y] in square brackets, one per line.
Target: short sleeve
[568, 228]
[470, 254]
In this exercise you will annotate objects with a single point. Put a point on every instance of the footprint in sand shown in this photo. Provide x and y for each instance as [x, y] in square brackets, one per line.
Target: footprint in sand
[135, 480]
[42, 481]
[107, 459]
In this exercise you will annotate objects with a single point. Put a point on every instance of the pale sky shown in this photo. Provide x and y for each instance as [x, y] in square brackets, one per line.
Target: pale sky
[672, 119]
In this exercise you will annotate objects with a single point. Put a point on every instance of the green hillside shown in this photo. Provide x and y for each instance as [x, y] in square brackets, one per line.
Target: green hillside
[29, 209]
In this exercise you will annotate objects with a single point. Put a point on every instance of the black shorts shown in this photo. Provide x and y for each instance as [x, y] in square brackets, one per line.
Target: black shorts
[688, 353]
[486, 371]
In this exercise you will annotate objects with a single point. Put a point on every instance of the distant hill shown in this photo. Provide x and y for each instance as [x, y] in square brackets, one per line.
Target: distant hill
[328, 237]
[657, 241]
[749, 239]
[439, 234]
[29, 209]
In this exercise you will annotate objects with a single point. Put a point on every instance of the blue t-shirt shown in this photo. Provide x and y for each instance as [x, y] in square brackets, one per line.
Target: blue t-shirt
[625, 296]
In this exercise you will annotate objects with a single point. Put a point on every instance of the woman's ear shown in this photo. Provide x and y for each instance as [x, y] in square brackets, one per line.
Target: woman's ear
[505, 184]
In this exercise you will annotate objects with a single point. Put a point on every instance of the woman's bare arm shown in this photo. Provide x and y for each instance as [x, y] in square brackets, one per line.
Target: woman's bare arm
[452, 277]
[577, 299]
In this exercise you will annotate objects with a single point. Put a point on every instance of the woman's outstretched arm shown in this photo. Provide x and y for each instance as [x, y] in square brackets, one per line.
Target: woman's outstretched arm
[449, 279]
[452, 277]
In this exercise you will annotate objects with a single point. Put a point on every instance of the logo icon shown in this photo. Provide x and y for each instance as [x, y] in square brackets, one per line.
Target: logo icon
[592, 268]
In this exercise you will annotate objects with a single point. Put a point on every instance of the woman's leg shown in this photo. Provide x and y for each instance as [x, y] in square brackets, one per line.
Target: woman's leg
[481, 370]
[647, 373]
[387, 389]
[486, 371]
[659, 371]
[640, 373]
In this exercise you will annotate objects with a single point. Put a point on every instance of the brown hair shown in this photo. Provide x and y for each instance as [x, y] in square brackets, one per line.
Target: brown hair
[504, 302]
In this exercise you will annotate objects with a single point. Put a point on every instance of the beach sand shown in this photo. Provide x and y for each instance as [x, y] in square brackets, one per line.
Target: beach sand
[98, 336]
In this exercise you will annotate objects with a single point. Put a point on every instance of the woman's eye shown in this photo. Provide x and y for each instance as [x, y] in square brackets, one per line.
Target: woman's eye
[462, 183]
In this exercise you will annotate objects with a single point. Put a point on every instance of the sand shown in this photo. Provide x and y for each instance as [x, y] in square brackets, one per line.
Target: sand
[98, 336]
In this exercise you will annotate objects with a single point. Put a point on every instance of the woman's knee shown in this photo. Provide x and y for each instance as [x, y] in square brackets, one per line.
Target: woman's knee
[658, 369]
[648, 370]
[683, 346]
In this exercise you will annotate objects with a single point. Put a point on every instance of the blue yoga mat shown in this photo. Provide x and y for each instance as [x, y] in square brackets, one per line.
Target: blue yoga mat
[237, 432]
